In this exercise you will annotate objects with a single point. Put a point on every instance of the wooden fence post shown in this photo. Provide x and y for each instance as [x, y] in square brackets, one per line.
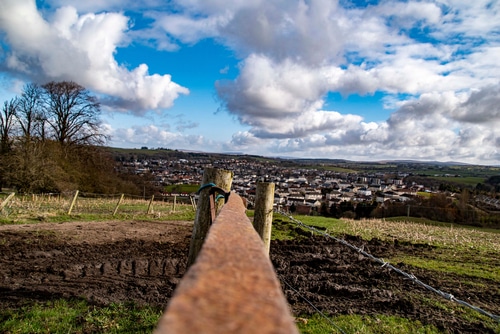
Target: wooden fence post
[263, 217]
[73, 202]
[118, 204]
[232, 287]
[222, 179]
[6, 200]
[150, 206]
[175, 203]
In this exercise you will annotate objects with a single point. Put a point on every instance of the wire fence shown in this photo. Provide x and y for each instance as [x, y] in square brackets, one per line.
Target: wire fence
[82, 203]
[22, 205]
[312, 305]
[386, 264]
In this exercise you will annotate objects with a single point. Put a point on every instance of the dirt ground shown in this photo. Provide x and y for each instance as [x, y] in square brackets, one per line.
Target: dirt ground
[143, 262]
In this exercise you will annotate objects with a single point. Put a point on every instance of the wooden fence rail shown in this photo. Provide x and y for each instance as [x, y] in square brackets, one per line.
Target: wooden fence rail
[232, 286]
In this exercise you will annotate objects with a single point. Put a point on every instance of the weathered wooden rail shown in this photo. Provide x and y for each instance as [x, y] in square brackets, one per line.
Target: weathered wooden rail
[232, 286]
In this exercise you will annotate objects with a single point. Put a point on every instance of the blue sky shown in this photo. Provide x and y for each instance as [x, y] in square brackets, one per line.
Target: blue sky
[360, 80]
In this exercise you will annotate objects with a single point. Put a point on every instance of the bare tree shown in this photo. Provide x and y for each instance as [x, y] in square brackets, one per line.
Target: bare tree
[30, 113]
[7, 118]
[72, 114]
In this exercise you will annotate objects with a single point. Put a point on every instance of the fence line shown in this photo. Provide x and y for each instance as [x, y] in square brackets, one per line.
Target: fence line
[232, 286]
[39, 205]
[386, 264]
[93, 195]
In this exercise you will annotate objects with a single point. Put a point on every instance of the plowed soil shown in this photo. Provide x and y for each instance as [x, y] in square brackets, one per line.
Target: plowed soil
[143, 262]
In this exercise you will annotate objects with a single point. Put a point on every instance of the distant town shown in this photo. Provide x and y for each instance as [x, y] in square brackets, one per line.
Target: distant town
[309, 186]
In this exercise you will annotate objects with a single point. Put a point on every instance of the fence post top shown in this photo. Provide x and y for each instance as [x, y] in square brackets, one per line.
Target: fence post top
[231, 285]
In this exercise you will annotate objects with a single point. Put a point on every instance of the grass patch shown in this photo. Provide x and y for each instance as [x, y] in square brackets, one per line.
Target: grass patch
[363, 325]
[284, 229]
[77, 316]
[182, 188]
[467, 180]
[460, 250]
[466, 313]
[479, 269]
[426, 221]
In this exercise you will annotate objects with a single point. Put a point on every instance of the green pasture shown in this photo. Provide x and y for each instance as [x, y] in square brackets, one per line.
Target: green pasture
[482, 172]
[182, 188]
[467, 181]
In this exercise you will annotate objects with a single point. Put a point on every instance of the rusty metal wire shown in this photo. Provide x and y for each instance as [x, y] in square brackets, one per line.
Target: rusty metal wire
[386, 264]
[312, 305]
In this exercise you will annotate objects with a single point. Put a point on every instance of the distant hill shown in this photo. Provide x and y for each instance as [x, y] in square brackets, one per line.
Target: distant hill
[165, 153]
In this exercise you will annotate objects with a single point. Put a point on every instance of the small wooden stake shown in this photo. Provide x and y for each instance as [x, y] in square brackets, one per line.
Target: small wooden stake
[222, 179]
[263, 217]
[118, 204]
[6, 200]
[150, 206]
[193, 203]
[73, 202]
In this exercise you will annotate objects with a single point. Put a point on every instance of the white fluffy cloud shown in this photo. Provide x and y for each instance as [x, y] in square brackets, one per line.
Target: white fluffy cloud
[435, 63]
[81, 48]
[410, 48]
[430, 127]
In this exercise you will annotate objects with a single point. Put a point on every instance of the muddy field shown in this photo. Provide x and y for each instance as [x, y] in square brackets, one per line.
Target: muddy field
[107, 262]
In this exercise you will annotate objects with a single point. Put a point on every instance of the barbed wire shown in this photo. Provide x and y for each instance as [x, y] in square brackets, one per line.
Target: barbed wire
[312, 305]
[301, 296]
[386, 264]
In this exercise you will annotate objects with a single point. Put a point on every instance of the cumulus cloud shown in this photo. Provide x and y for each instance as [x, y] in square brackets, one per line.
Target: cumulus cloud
[271, 90]
[412, 49]
[482, 106]
[435, 63]
[425, 128]
[81, 48]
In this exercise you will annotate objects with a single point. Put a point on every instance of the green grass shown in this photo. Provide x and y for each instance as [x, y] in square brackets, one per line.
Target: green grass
[471, 253]
[455, 251]
[284, 229]
[77, 316]
[468, 181]
[363, 325]
[182, 188]
[464, 312]
[426, 221]
[26, 210]
[478, 269]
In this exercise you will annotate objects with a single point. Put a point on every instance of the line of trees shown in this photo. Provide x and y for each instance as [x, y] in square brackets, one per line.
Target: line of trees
[51, 141]
[438, 207]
